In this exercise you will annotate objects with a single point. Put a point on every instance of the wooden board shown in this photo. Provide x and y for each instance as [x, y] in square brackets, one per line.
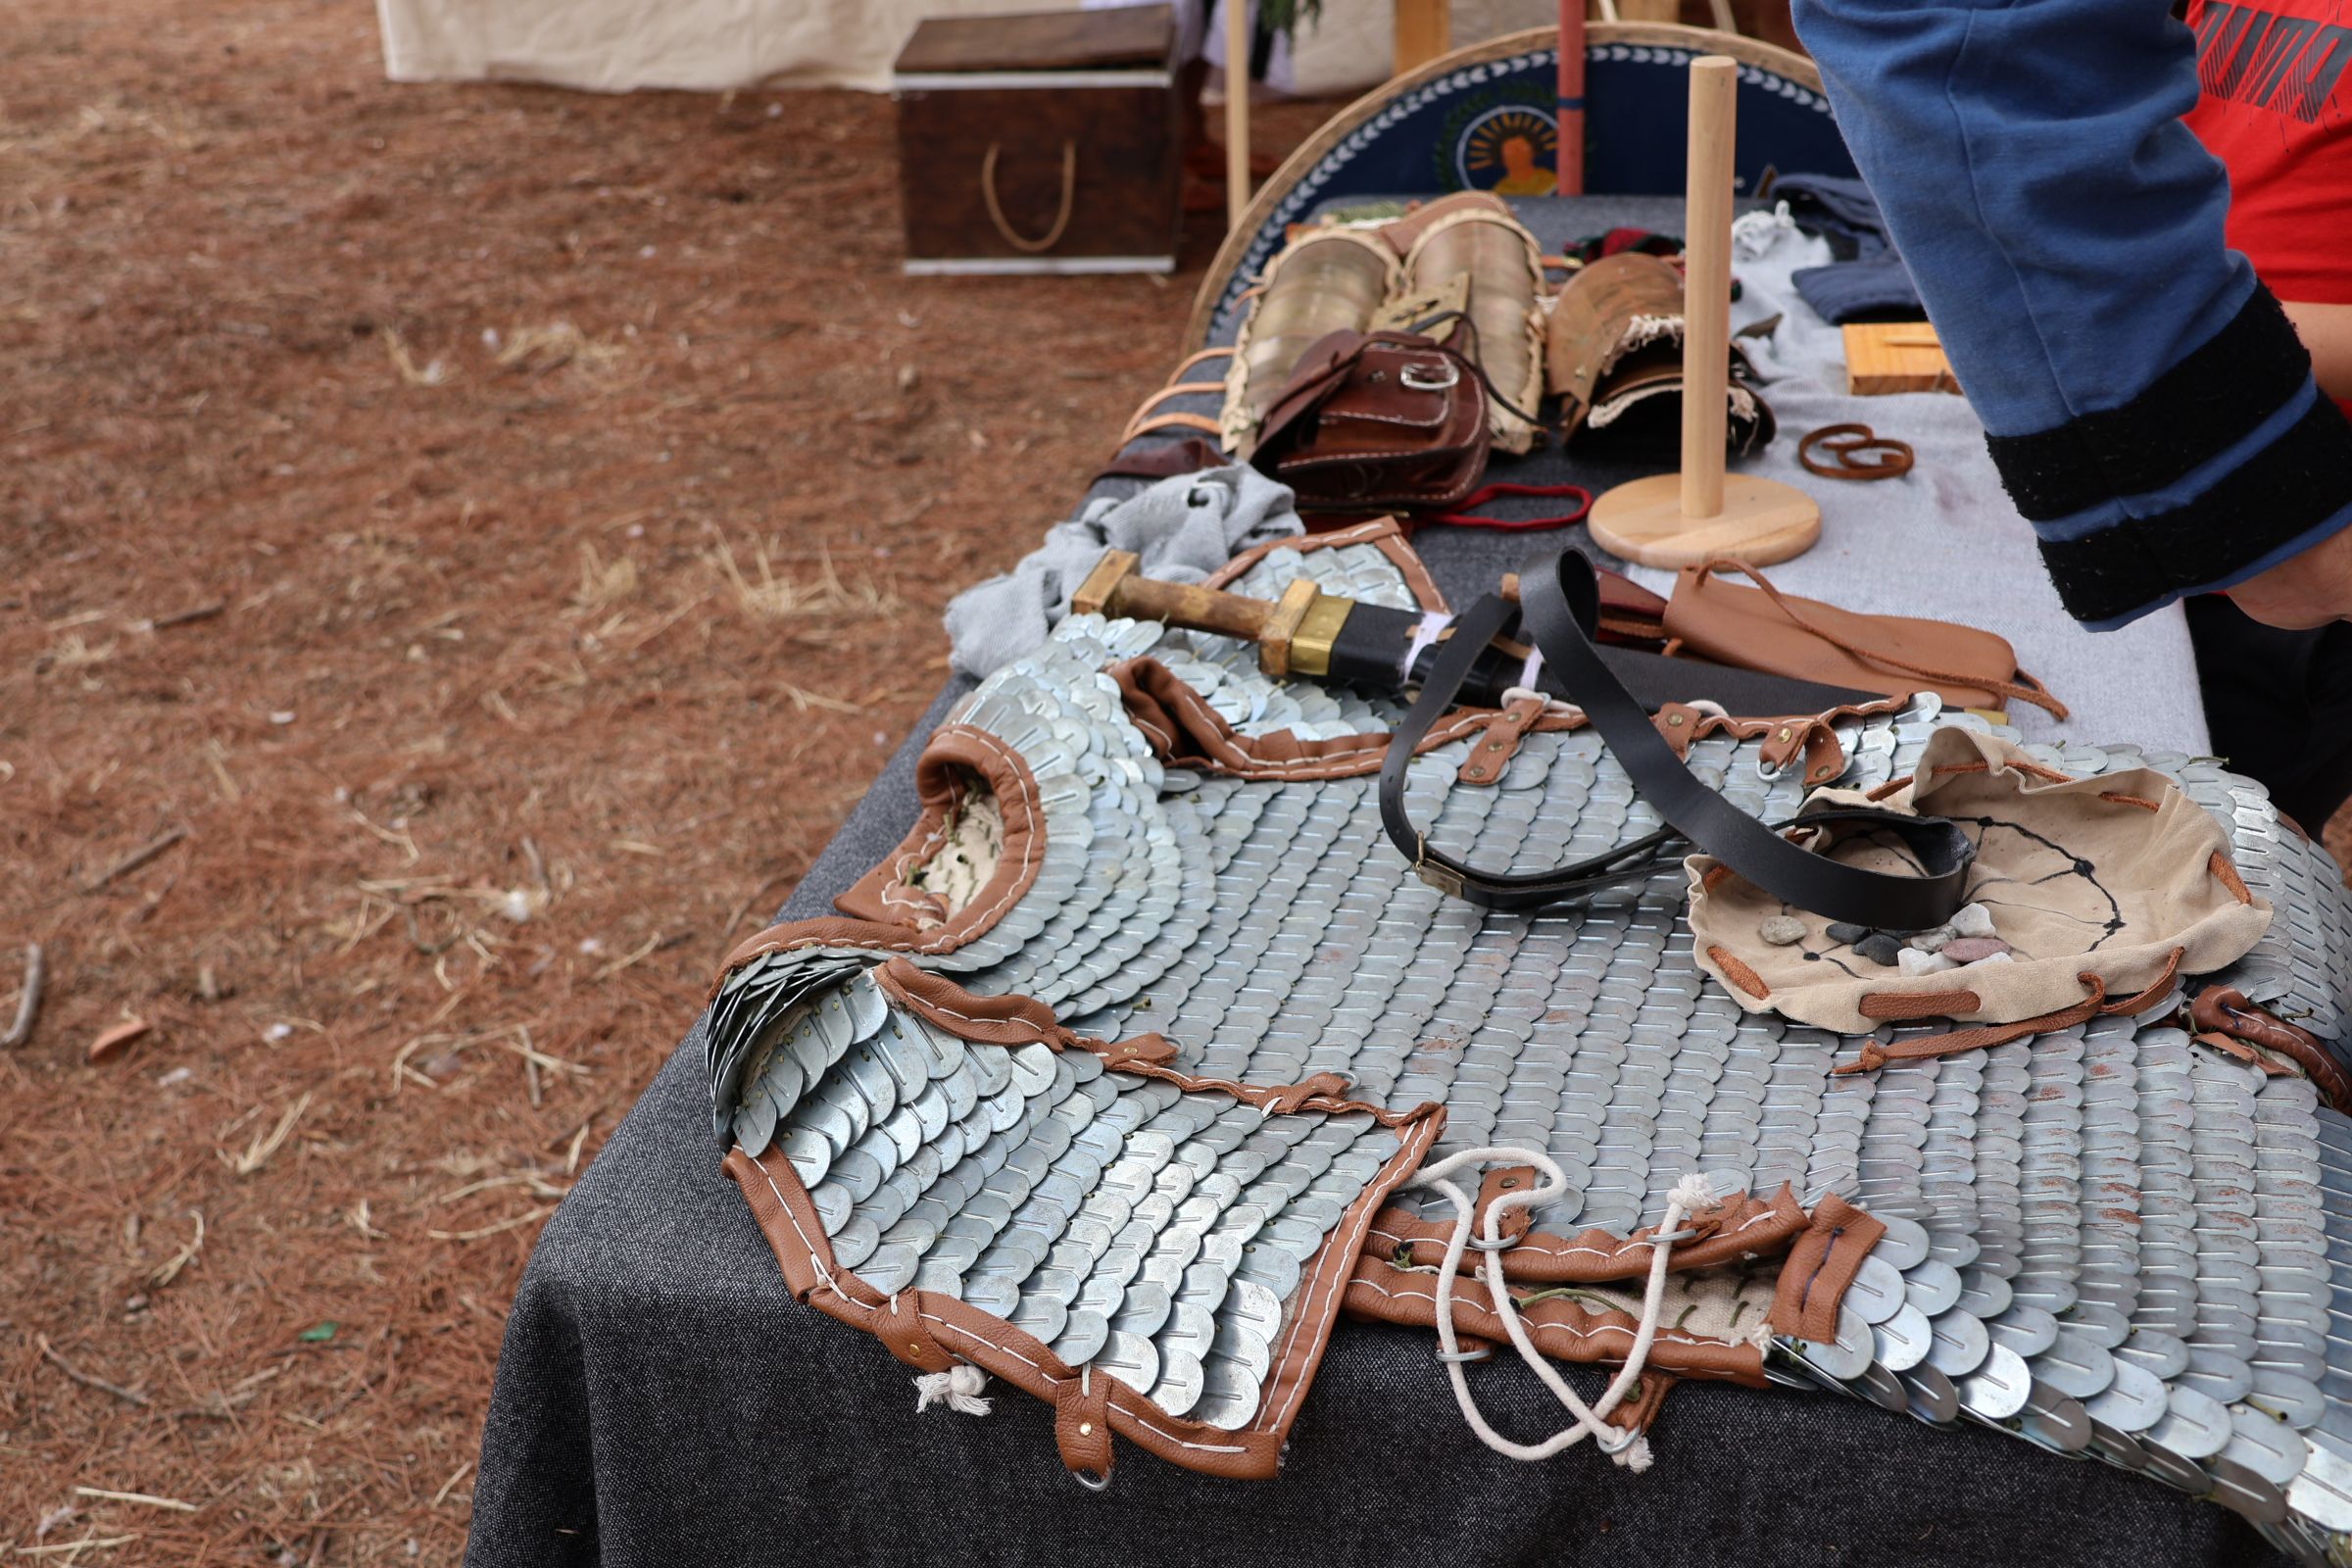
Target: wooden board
[1762, 522]
[1043, 41]
[1882, 356]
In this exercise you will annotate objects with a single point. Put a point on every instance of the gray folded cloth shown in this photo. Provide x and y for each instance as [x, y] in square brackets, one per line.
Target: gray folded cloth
[1182, 528]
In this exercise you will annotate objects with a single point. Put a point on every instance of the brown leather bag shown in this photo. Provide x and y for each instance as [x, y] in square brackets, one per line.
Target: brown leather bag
[1378, 422]
[1762, 628]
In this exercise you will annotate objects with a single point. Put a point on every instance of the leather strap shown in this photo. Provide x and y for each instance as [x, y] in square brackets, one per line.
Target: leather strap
[1560, 605]
[1844, 443]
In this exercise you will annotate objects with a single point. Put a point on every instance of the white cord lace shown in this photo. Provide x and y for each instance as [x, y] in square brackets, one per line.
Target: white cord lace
[1628, 1448]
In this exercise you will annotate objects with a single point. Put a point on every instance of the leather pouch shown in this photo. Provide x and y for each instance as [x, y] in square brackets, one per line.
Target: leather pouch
[1376, 422]
[1764, 629]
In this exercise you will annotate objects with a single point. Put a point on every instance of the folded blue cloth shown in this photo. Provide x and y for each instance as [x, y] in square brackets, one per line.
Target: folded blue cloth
[1878, 289]
[1868, 283]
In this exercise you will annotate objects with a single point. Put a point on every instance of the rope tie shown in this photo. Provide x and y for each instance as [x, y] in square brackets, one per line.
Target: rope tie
[1629, 1448]
[995, 208]
[958, 1389]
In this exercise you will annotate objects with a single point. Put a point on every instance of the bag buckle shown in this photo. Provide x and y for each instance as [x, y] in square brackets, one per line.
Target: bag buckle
[1420, 376]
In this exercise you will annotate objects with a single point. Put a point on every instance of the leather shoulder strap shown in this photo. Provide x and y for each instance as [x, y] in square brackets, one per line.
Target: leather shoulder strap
[1560, 605]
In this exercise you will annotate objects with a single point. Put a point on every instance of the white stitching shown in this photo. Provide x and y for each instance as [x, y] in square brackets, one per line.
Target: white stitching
[1406, 1156]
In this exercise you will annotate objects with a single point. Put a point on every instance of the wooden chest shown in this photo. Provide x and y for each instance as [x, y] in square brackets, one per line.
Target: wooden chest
[1041, 142]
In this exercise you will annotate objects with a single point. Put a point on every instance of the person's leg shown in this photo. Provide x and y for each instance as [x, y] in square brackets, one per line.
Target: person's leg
[2279, 704]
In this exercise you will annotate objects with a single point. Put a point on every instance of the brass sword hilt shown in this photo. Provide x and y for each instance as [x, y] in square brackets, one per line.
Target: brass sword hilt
[1294, 634]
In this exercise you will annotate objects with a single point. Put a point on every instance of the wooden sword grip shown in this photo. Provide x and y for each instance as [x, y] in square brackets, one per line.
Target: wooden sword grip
[1114, 589]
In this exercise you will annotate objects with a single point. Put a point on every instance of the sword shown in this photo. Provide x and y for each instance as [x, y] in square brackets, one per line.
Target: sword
[1325, 636]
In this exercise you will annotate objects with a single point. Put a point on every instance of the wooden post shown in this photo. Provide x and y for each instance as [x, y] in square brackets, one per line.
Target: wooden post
[1569, 156]
[1237, 112]
[1681, 520]
[1707, 280]
[1424, 30]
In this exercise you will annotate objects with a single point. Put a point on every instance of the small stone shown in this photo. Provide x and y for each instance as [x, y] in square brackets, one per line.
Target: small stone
[1914, 961]
[1878, 947]
[1783, 930]
[1972, 920]
[1998, 958]
[1847, 932]
[1932, 941]
[1967, 949]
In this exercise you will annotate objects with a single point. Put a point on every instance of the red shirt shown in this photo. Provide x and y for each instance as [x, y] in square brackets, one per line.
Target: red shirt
[2276, 107]
[2275, 104]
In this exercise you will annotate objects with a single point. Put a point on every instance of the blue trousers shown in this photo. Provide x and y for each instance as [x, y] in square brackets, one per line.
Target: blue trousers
[2148, 404]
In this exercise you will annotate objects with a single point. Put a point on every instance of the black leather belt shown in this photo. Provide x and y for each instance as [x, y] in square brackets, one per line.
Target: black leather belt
[1558, 609]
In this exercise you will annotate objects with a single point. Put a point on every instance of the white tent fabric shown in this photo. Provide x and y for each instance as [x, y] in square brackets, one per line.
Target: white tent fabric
[618, 45]
[714, 45]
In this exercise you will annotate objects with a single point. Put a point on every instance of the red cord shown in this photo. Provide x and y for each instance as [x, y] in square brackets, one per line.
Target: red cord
[1486, 493]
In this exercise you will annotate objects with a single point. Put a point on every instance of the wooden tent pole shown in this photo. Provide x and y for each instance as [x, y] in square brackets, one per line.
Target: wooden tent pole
[1237, 112]
[1707, 281]
[1570, 153]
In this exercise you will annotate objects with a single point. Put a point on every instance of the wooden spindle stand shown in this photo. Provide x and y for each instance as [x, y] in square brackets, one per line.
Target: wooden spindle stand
[1681, 520]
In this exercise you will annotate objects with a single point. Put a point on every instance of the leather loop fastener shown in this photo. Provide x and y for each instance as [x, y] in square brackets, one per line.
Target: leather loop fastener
[1082, 1426]
[1819, 1268]
[1514, 1222]
[1559, 603]
[2227, 1011]
[1847, 442]
[1491, 752]
[904, 1333]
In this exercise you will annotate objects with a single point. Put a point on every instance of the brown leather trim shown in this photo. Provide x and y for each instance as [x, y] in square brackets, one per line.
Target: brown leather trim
[1501, 1179]
[1644, 1402]
[1562, 1329]
[1082, 1425]
[1753, 1227]
[1898, 1007]
[904, 1334]
[1186, 732]
[2227, 1011]
[1743, 976]
[1500, 741]
[881, 912]
[1314, 1308]
[933, 1330]
[1005, 1020]
[789, 1220]
[2227, 875]
[2252, 1055]
[1384, 533]
[884, 895]
[1820, 1266]
[1876, 1054]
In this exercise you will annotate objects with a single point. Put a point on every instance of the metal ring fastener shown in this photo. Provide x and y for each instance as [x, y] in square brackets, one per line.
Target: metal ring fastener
[1624, 1438]
[1669, 1237]
[1479, 1354]
[1424, 377]
[1091, 1481]
[1843, 443]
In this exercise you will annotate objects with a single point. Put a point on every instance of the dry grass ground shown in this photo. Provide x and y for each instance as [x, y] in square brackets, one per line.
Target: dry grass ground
[462, 551]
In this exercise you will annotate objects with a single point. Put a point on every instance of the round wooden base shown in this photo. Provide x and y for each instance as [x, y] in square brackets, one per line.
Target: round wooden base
[1762, 520]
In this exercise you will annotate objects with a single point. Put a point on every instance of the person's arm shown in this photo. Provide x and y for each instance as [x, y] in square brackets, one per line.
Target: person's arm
[2147, 403]
[2327, 331]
